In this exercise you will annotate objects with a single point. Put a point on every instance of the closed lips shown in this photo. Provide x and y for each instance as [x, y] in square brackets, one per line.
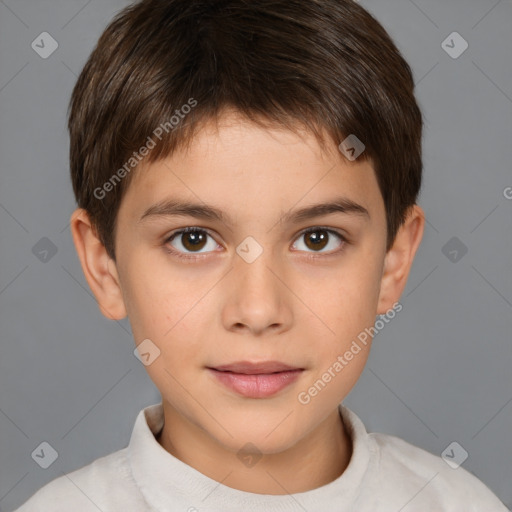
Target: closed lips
[262, 368]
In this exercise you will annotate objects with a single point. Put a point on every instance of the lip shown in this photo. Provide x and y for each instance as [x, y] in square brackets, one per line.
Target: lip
[256, 380]
[248, 368]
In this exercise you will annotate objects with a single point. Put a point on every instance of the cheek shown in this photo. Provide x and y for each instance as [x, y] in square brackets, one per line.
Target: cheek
[350, 294]
[152, 303]
[169, 313]
[346, 302]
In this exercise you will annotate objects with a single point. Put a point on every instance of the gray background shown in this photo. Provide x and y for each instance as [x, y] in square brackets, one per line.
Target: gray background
[439, 372]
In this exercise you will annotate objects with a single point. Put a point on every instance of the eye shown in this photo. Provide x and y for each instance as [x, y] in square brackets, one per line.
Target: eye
[188, 242]
[318, 238]
[190, 239]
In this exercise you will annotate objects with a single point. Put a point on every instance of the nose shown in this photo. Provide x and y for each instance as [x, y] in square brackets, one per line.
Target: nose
[258, 299]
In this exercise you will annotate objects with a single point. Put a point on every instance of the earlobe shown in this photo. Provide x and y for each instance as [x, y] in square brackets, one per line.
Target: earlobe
[399, 259]
[99, 269]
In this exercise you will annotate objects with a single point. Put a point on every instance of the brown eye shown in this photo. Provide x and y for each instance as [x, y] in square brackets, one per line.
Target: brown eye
[193, 241]
[317, 239]
[190, 240]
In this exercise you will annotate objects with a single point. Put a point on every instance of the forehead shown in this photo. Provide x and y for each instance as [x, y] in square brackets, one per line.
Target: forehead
[238, 166]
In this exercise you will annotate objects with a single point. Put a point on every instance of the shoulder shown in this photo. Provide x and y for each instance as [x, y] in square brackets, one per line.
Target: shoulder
[105, 484]
[428, 479]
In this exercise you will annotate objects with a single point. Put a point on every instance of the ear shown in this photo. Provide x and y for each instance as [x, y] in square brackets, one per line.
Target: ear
[399, 258]
[99, 269]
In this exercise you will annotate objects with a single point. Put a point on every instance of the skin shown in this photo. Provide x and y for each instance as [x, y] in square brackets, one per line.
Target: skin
[284, 306]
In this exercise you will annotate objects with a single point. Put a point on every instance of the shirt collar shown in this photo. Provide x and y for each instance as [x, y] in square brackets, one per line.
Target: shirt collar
[166, 481]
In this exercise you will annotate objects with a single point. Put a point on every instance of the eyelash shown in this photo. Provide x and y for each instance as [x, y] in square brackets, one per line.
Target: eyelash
[193, 229]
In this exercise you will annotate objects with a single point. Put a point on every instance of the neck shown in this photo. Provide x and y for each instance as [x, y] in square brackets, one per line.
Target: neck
[316, 460]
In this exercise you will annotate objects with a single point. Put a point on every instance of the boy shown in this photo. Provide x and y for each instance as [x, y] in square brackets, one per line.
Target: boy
[246, 175]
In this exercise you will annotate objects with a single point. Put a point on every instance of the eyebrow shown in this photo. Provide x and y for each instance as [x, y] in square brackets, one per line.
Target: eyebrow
[174, 207]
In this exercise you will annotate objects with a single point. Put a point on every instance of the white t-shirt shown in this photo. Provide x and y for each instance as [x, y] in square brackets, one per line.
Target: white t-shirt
[385, 474]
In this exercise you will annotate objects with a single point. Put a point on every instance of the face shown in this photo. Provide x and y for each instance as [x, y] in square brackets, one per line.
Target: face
[257, 282]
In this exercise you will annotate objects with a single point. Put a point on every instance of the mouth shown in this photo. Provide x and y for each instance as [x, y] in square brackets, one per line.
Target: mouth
[248, 368]
[256, 380]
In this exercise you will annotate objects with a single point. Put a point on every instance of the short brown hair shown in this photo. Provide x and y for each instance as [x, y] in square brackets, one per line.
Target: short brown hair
[325, 64]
